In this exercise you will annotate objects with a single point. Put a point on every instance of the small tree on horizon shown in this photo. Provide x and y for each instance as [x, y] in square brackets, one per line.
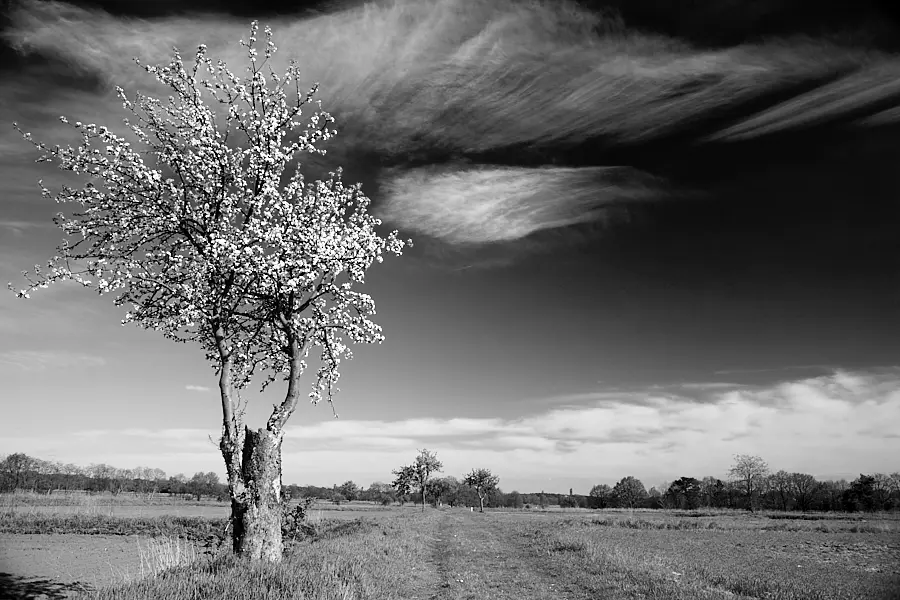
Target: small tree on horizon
[349, 490]
[749, 472]
[805, 489]
[403, 482]
[223, 246]
[601, 495]
[418, 474]
[483, 482]
[629, 492]
[685, 492]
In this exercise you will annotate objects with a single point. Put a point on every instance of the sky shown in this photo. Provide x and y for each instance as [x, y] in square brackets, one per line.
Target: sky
[645, 240]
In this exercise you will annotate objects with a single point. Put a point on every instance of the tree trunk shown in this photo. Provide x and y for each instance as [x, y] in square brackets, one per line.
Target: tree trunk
[256, 514]
[481, 499]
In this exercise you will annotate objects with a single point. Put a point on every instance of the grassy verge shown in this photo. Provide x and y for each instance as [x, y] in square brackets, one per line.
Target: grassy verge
[347, 560]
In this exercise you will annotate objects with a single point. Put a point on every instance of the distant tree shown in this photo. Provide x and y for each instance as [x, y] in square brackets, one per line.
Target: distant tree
[832, 495]
[629, 492]
[862, 494]
[713, 492]
[349, 490]
[451, 490]
[15, 469]
[805, 488]
[404, 481]
[567, 501]
[426, 465]
[122, 479]
[437, 488]
[226, 246]
[601, 496]
[685, 492]
[749, 473]
[881, 491]
[895, 488]
[664, 499]
[781, 485]
[378, 487]
[483, 482]
[291, 491]
[101, 477]
[514, 500]
[418, 474]
[203, 484]
[380, 492]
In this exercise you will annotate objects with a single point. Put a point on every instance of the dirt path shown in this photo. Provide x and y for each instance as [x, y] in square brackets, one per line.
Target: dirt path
[476, 556]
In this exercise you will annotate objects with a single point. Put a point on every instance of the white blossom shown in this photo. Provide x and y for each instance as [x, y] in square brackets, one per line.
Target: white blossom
[209, 242]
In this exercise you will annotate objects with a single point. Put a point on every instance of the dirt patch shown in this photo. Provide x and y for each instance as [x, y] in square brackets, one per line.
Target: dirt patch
[57, 566]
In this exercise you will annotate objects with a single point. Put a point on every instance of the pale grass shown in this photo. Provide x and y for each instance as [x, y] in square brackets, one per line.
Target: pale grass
[164, 553]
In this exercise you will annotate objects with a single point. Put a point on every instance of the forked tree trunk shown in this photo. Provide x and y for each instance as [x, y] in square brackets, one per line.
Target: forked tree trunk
[256, 517]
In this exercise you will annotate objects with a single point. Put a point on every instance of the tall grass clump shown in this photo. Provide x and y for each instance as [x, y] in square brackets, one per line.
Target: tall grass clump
[164, 553]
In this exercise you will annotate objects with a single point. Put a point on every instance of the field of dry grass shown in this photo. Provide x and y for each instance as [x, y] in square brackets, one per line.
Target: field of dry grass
[143, 506]
[453, 554]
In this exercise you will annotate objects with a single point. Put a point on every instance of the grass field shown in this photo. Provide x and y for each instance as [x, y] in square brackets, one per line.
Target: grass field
[455, 554]
[144, 507]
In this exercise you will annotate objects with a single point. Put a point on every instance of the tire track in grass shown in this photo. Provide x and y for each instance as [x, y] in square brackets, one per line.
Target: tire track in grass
[477, 557]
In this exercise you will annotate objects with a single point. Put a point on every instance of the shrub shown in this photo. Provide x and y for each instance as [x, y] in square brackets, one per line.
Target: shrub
[295, 523]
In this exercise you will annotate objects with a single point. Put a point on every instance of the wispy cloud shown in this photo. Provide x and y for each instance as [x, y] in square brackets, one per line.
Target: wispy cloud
[197, 388]
[20, 227]
[481, 205]
[40, 360]
[433, 79]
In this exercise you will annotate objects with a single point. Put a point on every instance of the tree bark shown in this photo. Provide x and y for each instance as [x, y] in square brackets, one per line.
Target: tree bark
[481, 499]
[256, 514]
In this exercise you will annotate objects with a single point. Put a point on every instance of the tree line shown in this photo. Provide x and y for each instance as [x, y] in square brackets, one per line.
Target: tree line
[749, 485]
[19, 471]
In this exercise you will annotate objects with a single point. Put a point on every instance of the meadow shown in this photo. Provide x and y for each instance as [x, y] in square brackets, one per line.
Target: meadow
[363, 551]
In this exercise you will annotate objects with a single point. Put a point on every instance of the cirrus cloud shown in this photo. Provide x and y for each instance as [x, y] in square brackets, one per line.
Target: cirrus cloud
[40, 360]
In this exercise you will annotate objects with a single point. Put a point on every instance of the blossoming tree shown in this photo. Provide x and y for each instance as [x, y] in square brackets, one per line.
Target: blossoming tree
[219, 240]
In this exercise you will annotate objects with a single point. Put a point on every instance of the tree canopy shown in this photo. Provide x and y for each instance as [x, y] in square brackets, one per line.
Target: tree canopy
[483, 481]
